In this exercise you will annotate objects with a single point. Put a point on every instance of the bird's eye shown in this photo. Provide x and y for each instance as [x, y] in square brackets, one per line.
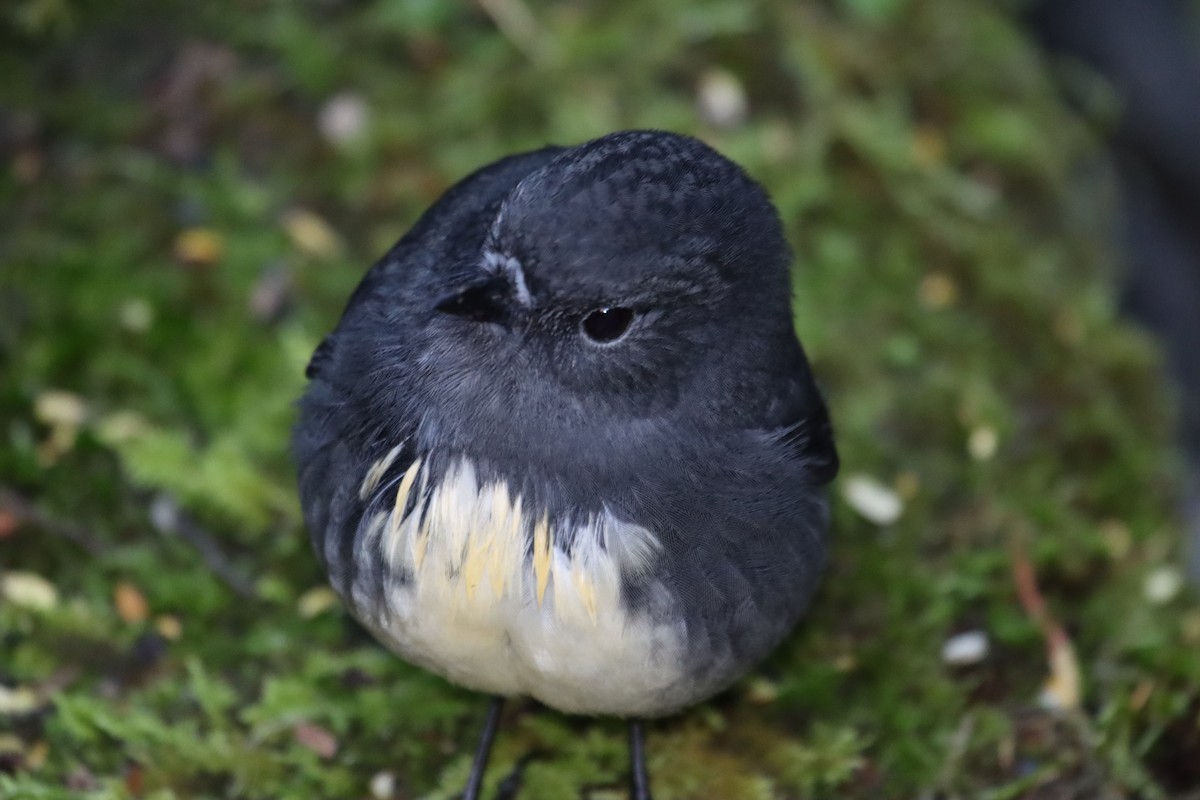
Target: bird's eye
[606, 325]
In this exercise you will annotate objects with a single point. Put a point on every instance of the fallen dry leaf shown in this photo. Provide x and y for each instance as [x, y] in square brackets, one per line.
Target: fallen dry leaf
[1062, 690]
[12, 753]
[64, 413]
[169, 627]
[761, 691]
[937, 290]
[315, 601]
[311, 234]
[130, 603]
[121, 426]
[1140, 696]
[135, 779]
[9, 521]
[271, 294]
[36, 756]
[315, 738]
[55, 407]
[199, 247]
[928, 146]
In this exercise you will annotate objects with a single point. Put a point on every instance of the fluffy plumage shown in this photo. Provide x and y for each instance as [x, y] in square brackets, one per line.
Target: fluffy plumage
[509, 495]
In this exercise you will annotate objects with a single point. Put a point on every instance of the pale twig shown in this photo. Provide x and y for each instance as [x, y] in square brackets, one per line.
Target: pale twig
[518, 24]
[170, 519]
[26, 512]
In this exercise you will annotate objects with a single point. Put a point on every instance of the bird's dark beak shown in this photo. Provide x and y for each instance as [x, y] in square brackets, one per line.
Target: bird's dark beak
[487, 300]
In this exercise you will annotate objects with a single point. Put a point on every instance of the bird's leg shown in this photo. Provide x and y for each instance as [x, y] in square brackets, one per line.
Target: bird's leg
[484, 750]
[639, 785]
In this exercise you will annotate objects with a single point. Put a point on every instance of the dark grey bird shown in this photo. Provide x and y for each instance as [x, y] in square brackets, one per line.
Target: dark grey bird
[564, 442]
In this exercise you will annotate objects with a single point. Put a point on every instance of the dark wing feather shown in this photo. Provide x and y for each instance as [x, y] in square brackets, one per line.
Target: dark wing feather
[800, 421]
[810, 438]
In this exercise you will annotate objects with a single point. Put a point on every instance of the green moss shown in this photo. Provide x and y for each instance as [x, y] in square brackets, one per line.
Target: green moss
[954, 276]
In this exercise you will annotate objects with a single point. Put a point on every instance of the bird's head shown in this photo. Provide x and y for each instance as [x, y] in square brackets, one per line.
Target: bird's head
[616, 272]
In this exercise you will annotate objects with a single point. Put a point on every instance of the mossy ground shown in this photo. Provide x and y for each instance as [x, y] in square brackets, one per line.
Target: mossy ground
[178, 234]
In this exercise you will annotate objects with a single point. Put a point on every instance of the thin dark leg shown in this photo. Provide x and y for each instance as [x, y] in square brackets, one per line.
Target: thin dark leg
[484, 751]
[640, 785]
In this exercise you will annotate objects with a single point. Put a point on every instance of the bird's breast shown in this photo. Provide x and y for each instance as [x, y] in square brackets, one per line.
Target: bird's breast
[482, 589]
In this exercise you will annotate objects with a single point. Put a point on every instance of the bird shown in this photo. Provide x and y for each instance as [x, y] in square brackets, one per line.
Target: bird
[564, 442]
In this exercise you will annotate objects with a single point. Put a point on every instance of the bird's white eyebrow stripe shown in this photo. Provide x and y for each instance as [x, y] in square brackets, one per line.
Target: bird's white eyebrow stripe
[499, 263]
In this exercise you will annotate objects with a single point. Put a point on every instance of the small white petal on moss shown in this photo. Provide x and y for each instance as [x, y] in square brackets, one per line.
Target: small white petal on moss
[136, 315]
[982, 443]
[1162, 585]
[56, 407]
[872, 499]
[965, 649]
[28, 590]
[17, 701]
[343, 118]
[721, 99]
[383, 785]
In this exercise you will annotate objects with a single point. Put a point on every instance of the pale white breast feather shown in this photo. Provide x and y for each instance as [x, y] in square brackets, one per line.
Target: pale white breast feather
[485, 611]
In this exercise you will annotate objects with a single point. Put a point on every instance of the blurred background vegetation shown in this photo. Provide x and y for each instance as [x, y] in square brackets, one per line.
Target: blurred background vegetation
[189, 192]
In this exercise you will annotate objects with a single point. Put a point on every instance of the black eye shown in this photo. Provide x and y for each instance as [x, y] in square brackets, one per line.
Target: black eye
[606, 325]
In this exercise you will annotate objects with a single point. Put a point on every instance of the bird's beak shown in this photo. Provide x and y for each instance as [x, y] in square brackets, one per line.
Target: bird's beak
[486, 300]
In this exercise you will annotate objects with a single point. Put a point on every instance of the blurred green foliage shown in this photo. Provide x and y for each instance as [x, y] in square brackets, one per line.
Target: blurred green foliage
[183, 218]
